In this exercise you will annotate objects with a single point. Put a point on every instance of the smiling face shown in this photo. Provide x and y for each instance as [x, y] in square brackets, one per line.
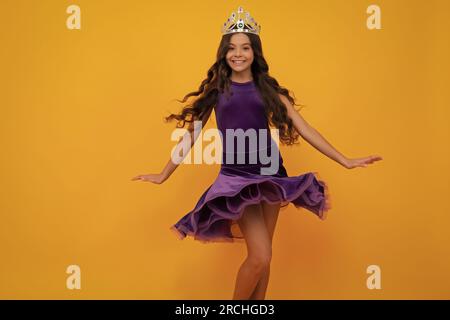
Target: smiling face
[240, 55]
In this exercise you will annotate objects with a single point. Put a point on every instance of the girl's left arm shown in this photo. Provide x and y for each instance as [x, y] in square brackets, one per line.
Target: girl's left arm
[313, 137]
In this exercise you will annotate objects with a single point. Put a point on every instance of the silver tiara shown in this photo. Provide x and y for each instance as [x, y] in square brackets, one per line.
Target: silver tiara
[240, 22]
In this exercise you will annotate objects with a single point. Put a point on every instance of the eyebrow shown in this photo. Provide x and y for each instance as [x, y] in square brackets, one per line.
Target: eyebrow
[232, 44]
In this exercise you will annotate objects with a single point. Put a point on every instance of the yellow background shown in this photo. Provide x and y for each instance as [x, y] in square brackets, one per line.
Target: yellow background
[82, 113]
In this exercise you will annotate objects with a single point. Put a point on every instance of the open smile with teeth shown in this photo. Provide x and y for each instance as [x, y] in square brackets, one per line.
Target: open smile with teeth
[238, 62]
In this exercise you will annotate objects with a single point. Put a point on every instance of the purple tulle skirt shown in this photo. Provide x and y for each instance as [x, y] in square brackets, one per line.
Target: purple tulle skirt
[214, 218]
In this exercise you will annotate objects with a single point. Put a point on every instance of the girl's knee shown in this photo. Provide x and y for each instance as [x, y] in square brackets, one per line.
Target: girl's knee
[260, 261]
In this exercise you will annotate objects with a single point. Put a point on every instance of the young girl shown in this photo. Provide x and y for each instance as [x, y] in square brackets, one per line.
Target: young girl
[243, 202]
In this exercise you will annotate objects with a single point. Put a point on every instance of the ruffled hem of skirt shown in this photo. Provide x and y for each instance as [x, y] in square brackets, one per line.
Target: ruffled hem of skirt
[215, 219]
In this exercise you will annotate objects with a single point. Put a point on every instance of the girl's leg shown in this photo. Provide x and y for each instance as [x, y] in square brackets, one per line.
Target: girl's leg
[270, 212]
[259, 251]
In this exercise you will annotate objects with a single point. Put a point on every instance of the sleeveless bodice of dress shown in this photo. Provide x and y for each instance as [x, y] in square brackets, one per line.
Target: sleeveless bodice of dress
[244, 110]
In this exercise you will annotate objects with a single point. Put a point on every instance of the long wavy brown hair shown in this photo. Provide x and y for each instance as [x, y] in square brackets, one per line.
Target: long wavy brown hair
[218, 80]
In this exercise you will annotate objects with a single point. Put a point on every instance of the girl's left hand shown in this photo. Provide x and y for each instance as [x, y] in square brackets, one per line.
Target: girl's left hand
[361, 162]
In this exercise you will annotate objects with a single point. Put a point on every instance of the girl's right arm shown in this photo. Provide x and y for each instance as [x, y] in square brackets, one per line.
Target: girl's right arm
[171, 165]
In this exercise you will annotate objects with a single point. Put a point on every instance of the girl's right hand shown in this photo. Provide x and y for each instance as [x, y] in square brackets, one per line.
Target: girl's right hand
[155, 178]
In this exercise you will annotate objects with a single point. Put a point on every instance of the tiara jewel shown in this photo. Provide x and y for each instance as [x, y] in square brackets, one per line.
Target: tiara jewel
[240, 22]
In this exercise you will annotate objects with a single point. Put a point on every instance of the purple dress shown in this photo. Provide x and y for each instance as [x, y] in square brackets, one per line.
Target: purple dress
[242, 182]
